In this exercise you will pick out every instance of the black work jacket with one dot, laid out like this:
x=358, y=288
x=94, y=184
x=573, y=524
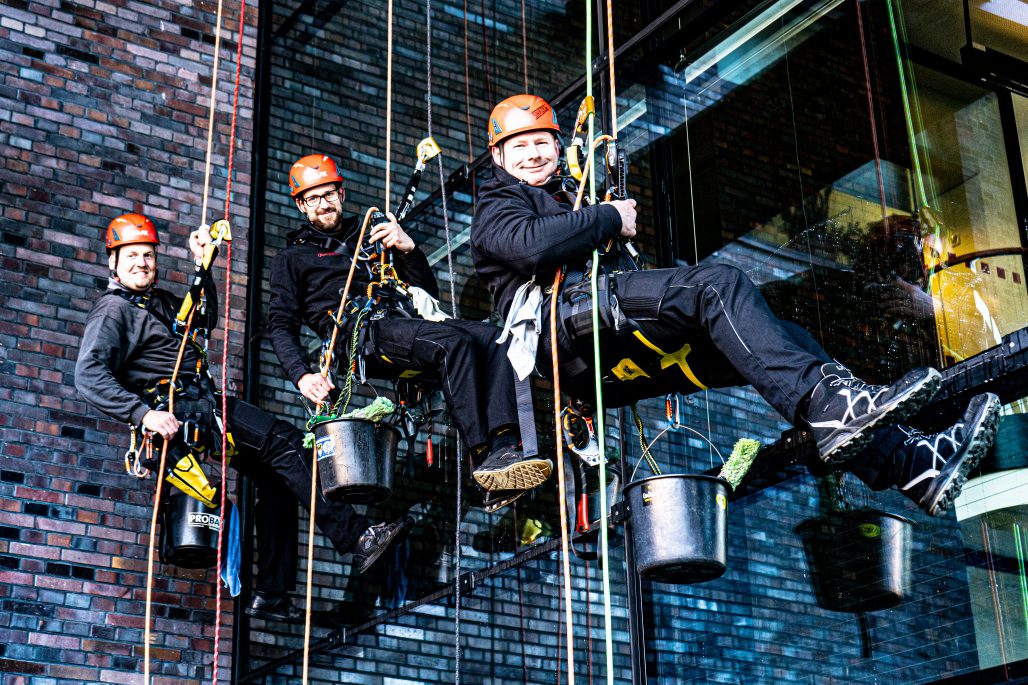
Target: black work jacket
x=307, y=279
x=129, y=345
x=520, y=231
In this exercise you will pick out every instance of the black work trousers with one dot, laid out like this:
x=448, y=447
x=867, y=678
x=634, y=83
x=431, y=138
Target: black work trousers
x=271, y=452
x=703, y=327
x=476, y=378
x=693, y=328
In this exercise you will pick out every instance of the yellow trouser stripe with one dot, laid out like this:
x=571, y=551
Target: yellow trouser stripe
x=675, y=358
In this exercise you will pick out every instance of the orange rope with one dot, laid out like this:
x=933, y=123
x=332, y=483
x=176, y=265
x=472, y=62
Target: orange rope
x=153, y=518
x=562, y=480
x=610, y=61
x=314, y=461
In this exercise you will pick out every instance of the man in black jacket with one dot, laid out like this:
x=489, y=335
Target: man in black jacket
x=306, y=280
x=126, y=359
x=689, y=328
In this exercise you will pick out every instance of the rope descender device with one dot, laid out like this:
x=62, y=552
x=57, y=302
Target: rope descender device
x=220, y=232
x=586, y=109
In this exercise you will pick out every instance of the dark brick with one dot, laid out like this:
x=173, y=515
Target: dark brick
x=55, y=569
x=12, y=476
x=71, y=432
x=37, y=509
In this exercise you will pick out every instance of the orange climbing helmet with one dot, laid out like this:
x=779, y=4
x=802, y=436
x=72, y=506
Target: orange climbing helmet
x=312, y=170
x=131, y=229
x=519, y=114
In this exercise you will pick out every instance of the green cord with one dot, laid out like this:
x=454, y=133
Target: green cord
x=1022, y=575
x=601, y=434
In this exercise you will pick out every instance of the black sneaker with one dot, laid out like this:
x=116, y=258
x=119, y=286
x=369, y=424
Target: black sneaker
x=274, y=608
x=843, y=409
x=495, y=500
x=508, y=469
x=376, y=540
x=931, y=469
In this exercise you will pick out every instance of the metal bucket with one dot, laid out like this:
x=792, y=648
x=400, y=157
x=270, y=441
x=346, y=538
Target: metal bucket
x=859, y=560
x=679, y=523
x=189, y=532
x=356, y=459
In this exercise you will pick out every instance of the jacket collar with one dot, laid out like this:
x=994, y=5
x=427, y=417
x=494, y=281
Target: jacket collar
x=308, y=233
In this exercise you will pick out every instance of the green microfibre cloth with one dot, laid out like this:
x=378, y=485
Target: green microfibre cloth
x=742, y=457
x=376, y=411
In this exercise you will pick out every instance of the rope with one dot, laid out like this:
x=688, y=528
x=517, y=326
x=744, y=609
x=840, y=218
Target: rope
x=485, y=55
x=907, y=119
x=210, y=118
x=153, y=518
x=467, y=87
x=449, y=266
x=439, y=158
x=310, y=567
x=457, y=563
x=389, y=100
x=871, y=114
x=561, y=479
x=610, y=62
x=524, y=45
x=601, y=434
x=224, y=351
x=326, y=364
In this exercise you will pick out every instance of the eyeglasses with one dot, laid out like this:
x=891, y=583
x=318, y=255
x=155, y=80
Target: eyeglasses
x=313, y=201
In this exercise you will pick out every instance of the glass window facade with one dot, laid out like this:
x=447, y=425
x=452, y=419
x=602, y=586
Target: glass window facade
x=859, y=167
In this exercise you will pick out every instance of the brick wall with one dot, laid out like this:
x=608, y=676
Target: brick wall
x=103, y=110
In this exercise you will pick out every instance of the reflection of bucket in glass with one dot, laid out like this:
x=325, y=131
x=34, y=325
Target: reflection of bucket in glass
x=859, y=560
x=356, y=459
x=189, y=532
x=679, y=523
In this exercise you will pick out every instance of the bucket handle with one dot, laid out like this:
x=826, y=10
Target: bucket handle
x=675, y=426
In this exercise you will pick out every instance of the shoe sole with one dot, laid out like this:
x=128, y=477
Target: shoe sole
x=268, y=616
x=940, y=498
x=500, y=504
x=854, y=442
x=523, y=475
x=371, y=559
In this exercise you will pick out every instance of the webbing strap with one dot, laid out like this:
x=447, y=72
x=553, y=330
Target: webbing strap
x=526, y=416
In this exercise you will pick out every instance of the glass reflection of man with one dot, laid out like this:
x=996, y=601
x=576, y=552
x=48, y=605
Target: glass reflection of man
x=690, y=328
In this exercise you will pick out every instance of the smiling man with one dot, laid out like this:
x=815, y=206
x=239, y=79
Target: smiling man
x=690, y=328
x=477, y=382
x=126, y=359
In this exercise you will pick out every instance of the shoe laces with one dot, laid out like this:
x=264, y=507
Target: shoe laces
x=913, y=435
